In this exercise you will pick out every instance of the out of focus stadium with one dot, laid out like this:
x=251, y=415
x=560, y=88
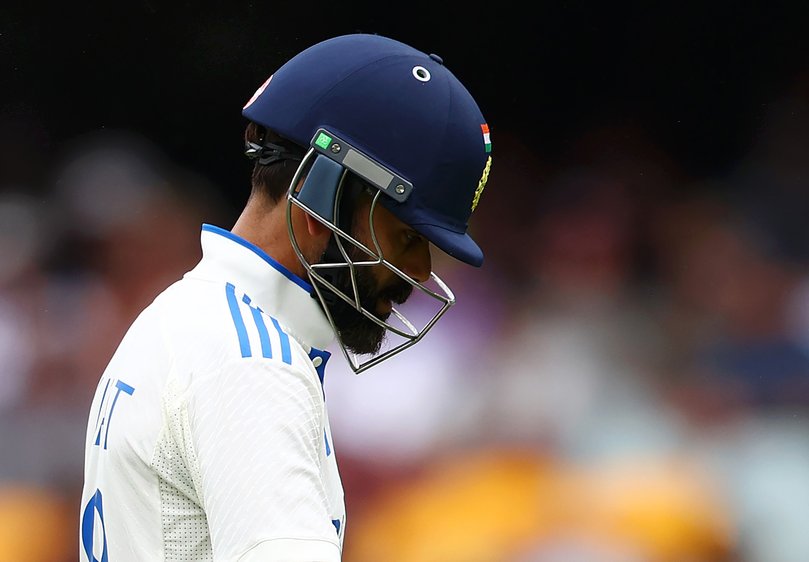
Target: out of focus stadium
x=626, y=379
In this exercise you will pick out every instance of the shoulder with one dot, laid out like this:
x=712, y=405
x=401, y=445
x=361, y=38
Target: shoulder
x=217, y=327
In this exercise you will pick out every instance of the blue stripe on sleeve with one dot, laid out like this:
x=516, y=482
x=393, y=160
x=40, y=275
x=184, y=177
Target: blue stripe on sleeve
x=263, y=334
x=238, y=321
x=286, y=353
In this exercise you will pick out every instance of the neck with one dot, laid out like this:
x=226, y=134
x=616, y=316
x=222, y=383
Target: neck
x=264, y=224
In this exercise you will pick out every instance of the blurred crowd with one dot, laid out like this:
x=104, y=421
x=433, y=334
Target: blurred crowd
x=626, y=379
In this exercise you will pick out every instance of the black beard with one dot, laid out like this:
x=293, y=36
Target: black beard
x=357, y=333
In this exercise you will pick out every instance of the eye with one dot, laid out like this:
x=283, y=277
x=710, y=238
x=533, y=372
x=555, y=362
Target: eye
x=413, y=238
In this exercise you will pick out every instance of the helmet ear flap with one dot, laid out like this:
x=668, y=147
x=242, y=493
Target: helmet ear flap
x=319, y=189
x=321, y=186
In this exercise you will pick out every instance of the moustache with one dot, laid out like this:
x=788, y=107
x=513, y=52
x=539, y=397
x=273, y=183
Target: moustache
x=397, y=292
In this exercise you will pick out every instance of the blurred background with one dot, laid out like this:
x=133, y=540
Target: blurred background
x=626, y=379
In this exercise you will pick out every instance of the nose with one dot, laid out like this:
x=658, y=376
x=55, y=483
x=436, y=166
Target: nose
x=417, y=261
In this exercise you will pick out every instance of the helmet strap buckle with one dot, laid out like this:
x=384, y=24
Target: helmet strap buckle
x=267, y=153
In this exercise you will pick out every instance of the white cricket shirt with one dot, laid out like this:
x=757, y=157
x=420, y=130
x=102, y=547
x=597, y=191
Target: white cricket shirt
x=208, y=437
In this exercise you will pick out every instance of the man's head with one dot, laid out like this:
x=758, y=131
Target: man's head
x=397, y=156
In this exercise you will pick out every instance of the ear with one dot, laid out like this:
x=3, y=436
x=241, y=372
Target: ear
x=316, y=228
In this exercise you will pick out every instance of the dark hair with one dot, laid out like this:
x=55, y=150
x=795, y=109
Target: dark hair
x=272, y=180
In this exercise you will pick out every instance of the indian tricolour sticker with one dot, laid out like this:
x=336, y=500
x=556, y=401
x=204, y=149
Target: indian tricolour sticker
x=258, y=92
x=487, y=140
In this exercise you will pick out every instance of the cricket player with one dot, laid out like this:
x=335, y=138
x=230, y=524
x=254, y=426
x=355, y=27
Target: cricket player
x=208, y=436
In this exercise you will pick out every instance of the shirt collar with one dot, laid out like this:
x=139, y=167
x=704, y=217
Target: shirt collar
x=280, y=293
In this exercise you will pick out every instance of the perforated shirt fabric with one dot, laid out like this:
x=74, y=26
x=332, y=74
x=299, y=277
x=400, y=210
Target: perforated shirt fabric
x=208, y=437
